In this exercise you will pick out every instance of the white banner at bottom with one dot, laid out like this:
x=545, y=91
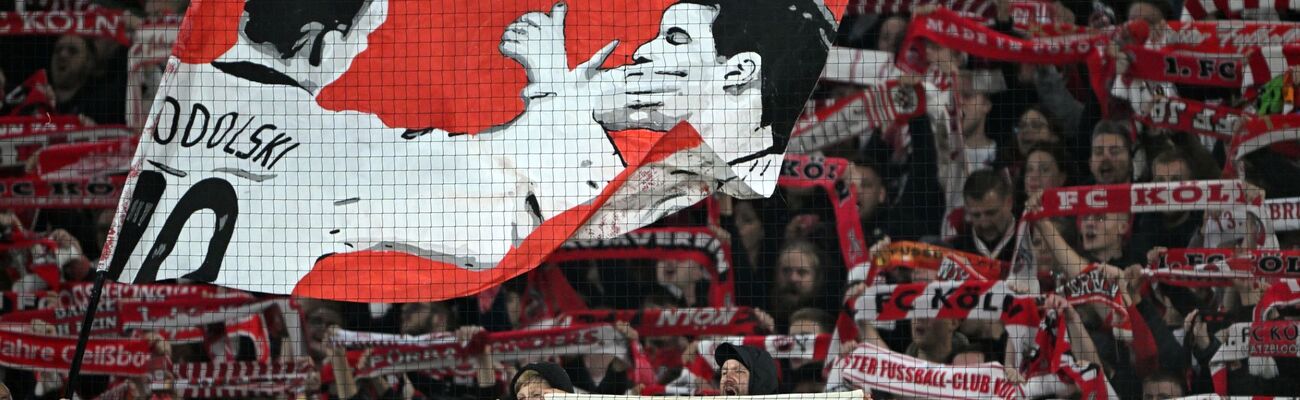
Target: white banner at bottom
x=873, y=367
x=853, y=395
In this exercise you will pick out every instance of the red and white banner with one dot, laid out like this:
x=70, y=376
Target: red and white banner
x=189, y=312
x=100, y=22
x=240, y=379
x=1263, y=44
x=34, y=192
x=1025, y=13
x=86, y=160
x=1144, y=197
x=30, y=134
x=873, y=367
x=827, y=173
x=976, y=300
x=951, y=30
x=118, y=357
x=1275, y=339
x=1183, y=115
x=1219, y=267
x=673, y=321
x=444, y=352
x=66, y=321
x=580, y=138
x=26, y=126
x=1200, y=9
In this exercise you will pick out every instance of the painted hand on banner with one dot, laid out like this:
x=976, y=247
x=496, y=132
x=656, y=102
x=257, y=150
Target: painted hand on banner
x=537, y=42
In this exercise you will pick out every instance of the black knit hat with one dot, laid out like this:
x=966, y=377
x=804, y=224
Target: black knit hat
x=551, y=372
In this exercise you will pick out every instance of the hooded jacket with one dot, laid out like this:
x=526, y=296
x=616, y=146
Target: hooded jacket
x=761, y=366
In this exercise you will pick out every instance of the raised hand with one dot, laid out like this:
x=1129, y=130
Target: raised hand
x=536, y=41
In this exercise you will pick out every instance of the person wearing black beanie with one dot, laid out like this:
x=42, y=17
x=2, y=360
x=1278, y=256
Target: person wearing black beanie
x=537, y=379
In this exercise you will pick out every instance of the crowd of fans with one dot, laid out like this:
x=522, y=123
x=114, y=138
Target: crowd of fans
x=1025, y=128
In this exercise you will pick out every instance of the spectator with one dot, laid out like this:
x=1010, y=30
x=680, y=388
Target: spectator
x=988, y=210
x=1045, y=169
x=936, y=340
x=798, y=280
x=72, y=69
x=1163, y=386
x=871, y=200
x=685, y=279
x=806, y=321
x=745, y=371
x=1167, y=229
x=980, y=151
x=1111, y=160
x=535, y=380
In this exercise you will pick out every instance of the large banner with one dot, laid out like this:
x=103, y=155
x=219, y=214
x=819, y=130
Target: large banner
x=373, y=150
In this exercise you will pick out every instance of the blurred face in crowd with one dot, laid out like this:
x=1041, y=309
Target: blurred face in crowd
x=871, y=191
x=1032, y=131
x=423, y=318
x=735, y=379
x=1173, y=171
x=803, y=327
x=1104, y=232
x=929, y=333
x=72, y=62
x=319, y=320
x=1042, y=172
x=534, y=389
x=975, y=109
x=796, y=272
x=1161, y=390
x=940, y=57
x=891, y=34
x=679, y=273
x=990, y=216
x=749, y=225
x=1147, y=12
x=1110, y=161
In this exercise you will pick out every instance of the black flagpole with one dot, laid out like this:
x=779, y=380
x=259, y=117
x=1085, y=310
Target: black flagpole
x=83, y=336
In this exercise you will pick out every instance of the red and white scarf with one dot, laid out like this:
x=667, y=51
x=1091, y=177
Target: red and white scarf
x=1093, y=287
x=104, y=356
x=872, y=367
x=1284, y=293
x=800, y=171
x=951, y=30
x=443, y=353
x=1219, y=267
x=1144, y=197
x=1192, y=68
x=1200, y=9
x=976, y=300
x=1183, y=115
x=674, y=243
x=100, y=22
x=674, y=321
x=240, y=379
x=950, y=264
